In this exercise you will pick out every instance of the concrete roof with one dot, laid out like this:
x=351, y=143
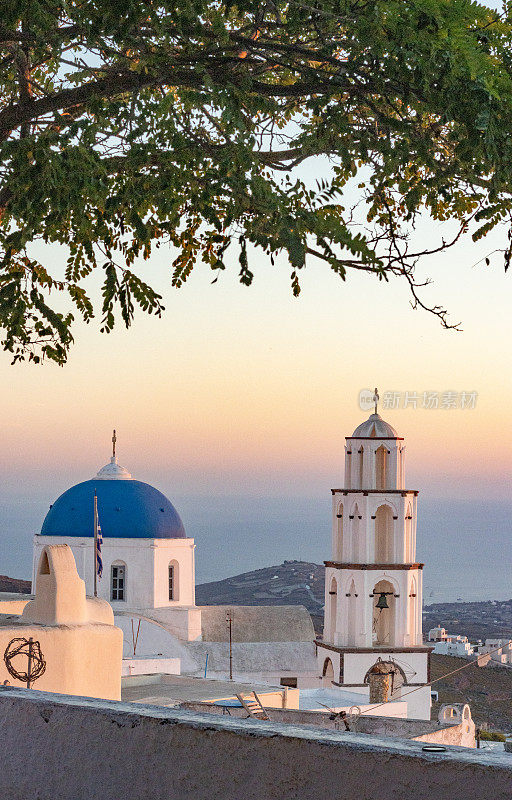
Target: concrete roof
x=324, y=698
x=171, y=690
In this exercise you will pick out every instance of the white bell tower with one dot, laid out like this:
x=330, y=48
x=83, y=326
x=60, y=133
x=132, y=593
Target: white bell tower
x=373, y=584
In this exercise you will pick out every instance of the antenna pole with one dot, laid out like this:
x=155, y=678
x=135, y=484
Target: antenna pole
x=95, y=544
x=229, y=620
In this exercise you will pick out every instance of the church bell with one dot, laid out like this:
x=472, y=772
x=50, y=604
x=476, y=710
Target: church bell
x=382, y=601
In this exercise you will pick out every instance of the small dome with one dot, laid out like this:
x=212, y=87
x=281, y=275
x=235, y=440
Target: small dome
x=113, y=472
x=374, y=428
x=127, y=509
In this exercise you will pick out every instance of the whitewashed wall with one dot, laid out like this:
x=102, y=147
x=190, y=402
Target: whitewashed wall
x=147, y=562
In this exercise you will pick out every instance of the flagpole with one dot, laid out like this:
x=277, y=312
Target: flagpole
x=95, y=544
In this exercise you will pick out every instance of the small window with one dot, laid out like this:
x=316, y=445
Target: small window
x=118, y=582
x=173, y=580
x=172, y=586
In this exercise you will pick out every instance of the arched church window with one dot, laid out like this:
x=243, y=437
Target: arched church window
x=412, y=612
x=173, y=580
x=384, y=535
x=381, y=468
x=351, y=630
x=358, y=539
x=118, y=581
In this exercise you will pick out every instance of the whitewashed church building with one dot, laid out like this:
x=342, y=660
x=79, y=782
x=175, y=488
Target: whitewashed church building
x=149, y=579
x=373, y=583
x=148, y=560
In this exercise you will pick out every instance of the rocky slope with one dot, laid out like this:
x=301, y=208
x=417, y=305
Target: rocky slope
x=488, y=690
x=17, y=585
x=290, y=583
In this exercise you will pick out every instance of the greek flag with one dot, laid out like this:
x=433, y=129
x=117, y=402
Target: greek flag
x=99, y=562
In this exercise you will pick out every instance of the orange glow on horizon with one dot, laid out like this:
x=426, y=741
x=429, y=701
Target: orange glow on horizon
x=248, y=390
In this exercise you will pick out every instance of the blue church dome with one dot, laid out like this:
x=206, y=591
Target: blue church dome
x=127, y=509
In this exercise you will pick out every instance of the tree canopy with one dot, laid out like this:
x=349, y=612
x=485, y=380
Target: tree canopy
x=127, y=125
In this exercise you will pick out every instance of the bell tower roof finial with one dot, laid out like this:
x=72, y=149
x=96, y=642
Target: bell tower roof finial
x=114, y=440
x=375, y=399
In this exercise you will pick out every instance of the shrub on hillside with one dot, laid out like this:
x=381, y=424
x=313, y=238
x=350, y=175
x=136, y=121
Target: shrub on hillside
x=492, y=736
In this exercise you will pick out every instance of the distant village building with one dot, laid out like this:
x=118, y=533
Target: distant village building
x=454, y=646
x=450, y=644
x=500, y=650
x=373, y=583
x=437, y=634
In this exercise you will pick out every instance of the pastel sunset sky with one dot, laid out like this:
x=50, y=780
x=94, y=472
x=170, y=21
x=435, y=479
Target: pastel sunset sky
x=249, y=390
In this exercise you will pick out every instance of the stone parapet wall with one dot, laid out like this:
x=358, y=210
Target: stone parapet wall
x=63, y=748
x=461, y=735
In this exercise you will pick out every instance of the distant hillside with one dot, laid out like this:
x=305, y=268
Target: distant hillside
x=302, y=583
x=290, y=583
x=488, y=690
x=491, y=618
x=17, y=585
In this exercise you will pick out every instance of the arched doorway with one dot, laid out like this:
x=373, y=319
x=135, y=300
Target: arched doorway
x=384, y=619
x=384, y=530
x=327, y=673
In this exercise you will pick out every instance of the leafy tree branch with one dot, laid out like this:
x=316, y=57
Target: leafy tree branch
x=127, y=127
